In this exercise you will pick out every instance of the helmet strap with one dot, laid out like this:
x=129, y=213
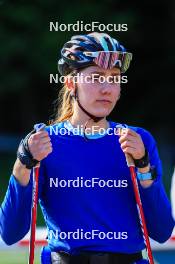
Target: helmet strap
x=94, y=118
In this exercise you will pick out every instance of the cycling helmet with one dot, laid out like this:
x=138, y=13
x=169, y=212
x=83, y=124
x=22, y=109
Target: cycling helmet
x=93, y=49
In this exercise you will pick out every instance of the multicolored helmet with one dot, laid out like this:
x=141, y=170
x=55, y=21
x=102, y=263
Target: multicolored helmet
x=93, y=49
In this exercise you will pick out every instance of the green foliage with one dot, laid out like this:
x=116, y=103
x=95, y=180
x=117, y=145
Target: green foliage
x=29, y=49
x=29, y=53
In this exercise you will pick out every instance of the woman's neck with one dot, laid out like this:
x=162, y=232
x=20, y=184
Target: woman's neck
x=77, y=121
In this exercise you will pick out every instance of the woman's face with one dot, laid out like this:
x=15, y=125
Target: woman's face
x=99, y=91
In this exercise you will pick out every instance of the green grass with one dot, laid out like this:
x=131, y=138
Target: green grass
x=18, y=256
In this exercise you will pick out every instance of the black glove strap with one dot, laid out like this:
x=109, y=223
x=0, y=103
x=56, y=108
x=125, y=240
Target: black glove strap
x=24, y=154
x=143, y=162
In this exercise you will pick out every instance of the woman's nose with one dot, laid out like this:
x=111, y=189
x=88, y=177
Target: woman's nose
x=105, y=88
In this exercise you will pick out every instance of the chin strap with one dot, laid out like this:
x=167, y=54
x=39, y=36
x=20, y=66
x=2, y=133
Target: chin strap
x=94, y=118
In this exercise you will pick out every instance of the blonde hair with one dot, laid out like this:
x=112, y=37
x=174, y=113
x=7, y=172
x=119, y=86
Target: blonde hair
x=64, y=103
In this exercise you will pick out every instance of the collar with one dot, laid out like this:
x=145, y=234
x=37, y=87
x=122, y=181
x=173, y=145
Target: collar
x=79, y=130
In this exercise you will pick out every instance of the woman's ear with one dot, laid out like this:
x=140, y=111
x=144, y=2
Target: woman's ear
x=70, y=86
x=69, y=83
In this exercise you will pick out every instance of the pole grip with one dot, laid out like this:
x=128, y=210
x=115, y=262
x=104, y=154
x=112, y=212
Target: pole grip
x=39, y=127
x=129, y=160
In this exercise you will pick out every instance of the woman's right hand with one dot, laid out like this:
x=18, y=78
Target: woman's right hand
x=40, y=145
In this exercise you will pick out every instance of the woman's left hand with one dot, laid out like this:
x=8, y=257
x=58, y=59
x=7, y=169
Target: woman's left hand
x=131, y=143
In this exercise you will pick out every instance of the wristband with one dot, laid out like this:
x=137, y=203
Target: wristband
x=143, y=162
x=150, y=175
x=23, y=152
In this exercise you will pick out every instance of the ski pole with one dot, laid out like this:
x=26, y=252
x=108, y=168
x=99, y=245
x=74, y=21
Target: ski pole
x=37, y=127
x=131, y=166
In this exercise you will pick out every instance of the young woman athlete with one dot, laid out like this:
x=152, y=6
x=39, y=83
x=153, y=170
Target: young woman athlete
x=85, y=188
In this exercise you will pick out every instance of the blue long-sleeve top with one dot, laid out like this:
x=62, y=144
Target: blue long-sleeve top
x=84, y=209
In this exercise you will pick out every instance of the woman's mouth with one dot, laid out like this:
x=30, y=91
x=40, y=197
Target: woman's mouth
x=103, y=101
